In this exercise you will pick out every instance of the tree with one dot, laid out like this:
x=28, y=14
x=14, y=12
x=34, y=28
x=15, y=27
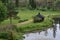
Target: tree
x=3, y=12
x=57, y=5
x=17, y=3
x=11, y=11
x=4, y=1
x=32, y=4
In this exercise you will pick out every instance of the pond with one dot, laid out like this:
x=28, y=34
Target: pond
x=52, y=33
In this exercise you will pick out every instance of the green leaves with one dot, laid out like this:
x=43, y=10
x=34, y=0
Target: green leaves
x=3, y=12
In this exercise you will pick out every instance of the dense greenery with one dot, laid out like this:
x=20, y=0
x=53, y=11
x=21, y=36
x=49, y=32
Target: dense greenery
x=3, y=12
x=36, y=26
x=29, y=14
x=11, y=11
x=8, y=9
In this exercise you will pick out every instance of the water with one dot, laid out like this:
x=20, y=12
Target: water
x=49, y=34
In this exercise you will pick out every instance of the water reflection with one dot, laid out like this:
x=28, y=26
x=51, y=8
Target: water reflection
x=59, y=27
x=49, y=34
x=54, y=30
x=46, y=32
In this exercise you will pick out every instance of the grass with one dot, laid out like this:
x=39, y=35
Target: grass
x=36, y=26
x=6, y=22
x=29, y=14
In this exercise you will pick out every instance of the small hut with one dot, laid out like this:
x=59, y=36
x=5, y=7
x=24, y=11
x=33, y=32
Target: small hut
x=38, y=18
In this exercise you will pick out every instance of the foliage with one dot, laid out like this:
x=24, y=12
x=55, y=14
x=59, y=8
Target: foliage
x=29, y=14
x=17, y=17
x=8, y=36
x=3, y=12
x=18, y=36
x=36, y=26
x=4, y=35
x=12, y=12
x=37, y=19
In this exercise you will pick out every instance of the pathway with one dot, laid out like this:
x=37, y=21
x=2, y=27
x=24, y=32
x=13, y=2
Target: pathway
x=26, y=22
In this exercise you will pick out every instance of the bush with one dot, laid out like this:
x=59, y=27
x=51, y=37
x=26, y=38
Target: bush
x=37, y=19
x=4, y=35
x=43, y=9
x=15, y=28
x=3, y=12
x=16, y=17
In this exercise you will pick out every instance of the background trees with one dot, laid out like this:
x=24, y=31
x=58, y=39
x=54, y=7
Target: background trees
x=17, y=3
x=32, y=3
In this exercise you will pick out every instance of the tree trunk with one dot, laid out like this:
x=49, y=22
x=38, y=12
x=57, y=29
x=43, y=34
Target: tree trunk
x=11, y=36
x=17, y=3
x=10, y=20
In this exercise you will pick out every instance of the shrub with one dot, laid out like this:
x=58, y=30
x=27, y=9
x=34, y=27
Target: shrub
x=3, y=12
x=43, y=9
x=16, y=17
x=12, y=27
x=38, y=19
x=4, y=35
x=23, y=20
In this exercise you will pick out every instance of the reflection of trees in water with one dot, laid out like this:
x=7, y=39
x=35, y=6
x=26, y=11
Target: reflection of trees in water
x=57, y=21
x=27, y=35
x=54, y=30
x=39, y=33
x=46, y=32
x=59, y=24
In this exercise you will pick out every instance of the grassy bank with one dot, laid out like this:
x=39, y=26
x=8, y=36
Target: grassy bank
x=29, y=14
x=30, y=27
x=36, y=26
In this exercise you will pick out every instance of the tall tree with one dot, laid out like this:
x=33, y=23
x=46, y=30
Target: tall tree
x=11, y=11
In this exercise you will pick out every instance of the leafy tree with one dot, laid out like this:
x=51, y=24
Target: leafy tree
x=32, y=4
x=3, y=12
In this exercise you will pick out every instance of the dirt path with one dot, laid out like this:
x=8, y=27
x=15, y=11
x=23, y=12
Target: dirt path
x=26, y=22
